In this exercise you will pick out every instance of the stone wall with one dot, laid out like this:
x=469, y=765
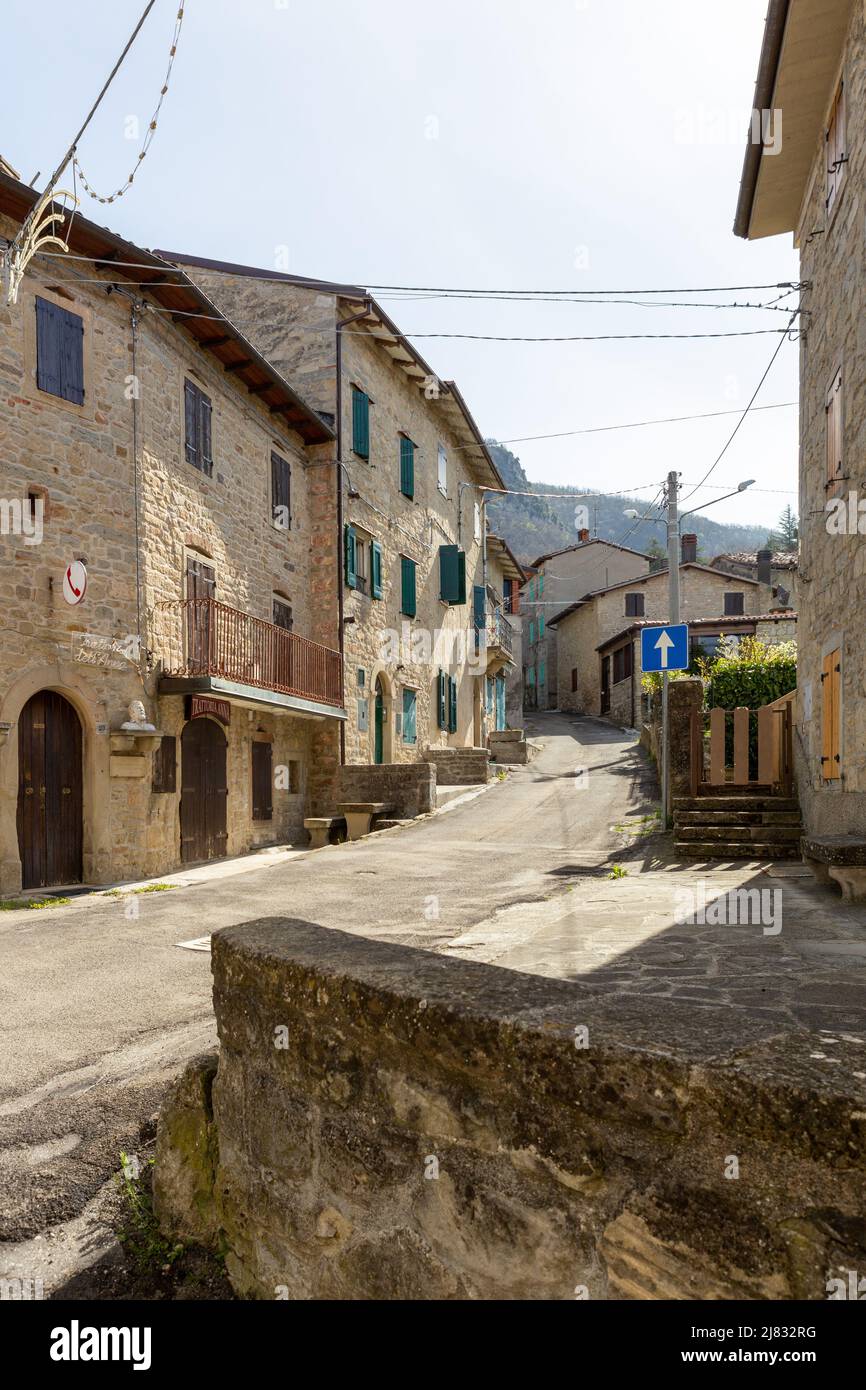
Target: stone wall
x=391, y=1124
x=459, y=767
x=410, y=788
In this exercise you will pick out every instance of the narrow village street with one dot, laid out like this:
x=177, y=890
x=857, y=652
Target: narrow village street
x=101, y=1010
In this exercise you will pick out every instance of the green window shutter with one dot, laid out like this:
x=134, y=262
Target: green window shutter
x=351, y=551
x=360, y=423
x=452, y=574
x=409, y=716
x=531, y=633
x=442, y=700
x=375, y=569
x=541, y=673
x=541, y=625
x=452, y=704
x=407, y=467
x=407, y=586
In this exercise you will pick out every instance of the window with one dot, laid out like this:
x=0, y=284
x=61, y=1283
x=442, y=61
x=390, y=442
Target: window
x=442, y=480
x=282, y=614
x=452, y=704
x=831, y=709
x=360, y=422
x=362, y=563
x=477, y=522
x=622, y=663
x=573, y=679
x=165, y=765
x=407, y=466
x=262, y=765
x=452, y=574
x=59, y=352
x=410, y=705
x=634, y=605
x=734, y=605
x=834, y=434
x=281, y=493
x=197, y=425
x=835, y=141
x=442, y=700
x=408, y=599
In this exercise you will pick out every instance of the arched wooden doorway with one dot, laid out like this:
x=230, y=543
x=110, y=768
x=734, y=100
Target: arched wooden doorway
x=50, y=814
x=204, y=792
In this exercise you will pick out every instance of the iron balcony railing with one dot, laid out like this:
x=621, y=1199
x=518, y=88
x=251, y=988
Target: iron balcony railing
x=500, y=633
x=207, y=638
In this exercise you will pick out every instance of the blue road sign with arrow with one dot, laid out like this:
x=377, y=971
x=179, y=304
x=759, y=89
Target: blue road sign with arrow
x=665, y=648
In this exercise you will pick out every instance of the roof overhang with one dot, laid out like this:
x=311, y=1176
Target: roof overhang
x=183, y=304
x=505, y=558
x=800, y=55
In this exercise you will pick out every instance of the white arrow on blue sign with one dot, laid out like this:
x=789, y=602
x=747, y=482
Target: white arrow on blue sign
x=665, y=648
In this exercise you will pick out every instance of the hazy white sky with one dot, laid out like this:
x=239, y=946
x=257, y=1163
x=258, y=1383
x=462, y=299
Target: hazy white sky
x=582, y=144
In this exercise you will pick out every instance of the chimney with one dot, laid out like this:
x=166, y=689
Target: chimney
x=583, y=535
x=765, y=566
x=689, y=548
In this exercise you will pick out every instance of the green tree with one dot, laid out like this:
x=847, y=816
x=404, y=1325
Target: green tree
x=788, y=531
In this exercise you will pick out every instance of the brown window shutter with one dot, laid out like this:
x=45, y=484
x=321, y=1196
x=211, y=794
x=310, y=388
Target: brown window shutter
x=165, y=765
x=831, y=692
x=262, y=760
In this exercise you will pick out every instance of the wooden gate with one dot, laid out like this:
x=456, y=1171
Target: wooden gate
x=204, y=792
x=50, y=811
x=769, y=764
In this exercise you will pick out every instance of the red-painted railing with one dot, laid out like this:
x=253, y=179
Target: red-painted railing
x=208, y=638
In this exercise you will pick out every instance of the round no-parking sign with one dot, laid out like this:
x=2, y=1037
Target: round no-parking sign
x=74, y=582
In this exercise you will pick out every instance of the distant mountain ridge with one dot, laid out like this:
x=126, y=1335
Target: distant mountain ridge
x=535, y=526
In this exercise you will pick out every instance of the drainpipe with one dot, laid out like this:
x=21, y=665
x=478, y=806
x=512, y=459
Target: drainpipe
x=341, y=324
x=134, y=318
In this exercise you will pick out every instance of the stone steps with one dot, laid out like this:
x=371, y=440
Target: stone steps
x=721, y=818
x=728, y=834
x=737, y=823
x=737, y=849
x=735, y=803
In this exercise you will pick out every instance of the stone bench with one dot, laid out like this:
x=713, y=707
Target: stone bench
x=840, y=859
x=359, y=815
x=320, y=827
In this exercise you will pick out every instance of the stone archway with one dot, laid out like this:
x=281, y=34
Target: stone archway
x=50, y=813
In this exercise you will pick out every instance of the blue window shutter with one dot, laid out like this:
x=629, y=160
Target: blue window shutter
x=531, y=633
x=442, y=700
x=407, y=467
x=350, y=553
x=71, y=357
x=375, y=569
x=541, y=625
x=48, y=347
x=408, y=597
x=360, y=423
x=409, y=716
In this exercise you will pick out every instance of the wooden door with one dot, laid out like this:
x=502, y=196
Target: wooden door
x=605, y=684
x=50, y=804
x=200, y=585
x=204, y=792
x=379, y=732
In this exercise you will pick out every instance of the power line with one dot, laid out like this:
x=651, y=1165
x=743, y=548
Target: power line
x=636, y=424
x=583, y=337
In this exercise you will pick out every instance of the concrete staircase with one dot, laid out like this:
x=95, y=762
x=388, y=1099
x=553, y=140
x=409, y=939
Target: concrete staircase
x=731, y=822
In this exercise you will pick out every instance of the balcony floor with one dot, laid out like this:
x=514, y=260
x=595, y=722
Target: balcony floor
x=249, y=696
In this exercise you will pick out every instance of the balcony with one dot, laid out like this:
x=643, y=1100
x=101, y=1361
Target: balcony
x=202, y=641
x=498, y=639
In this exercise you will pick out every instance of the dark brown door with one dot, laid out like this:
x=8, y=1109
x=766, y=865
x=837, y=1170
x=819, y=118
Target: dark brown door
x=204, y=792
x=200, y=587
x=605, y=684
x=50, y=816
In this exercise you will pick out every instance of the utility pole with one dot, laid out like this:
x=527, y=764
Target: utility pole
x=673, y=617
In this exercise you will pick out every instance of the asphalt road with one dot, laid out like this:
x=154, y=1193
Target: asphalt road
x=101, y=1009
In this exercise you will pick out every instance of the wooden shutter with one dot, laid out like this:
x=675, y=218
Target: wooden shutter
x=281, y=491
x=205, y=455
x=191, y=422
x=479, y=611
x=734, y=605
x=452, y=704
x=165, y=765
x=452, y=574
x=634, y=605
x=263, y=808
x=59, y=352
x=47, y=347
x=375, y=569
x=833, y=411
x=71, y=357
x=360, y=423
x=442, y=700
x=407, y=467
x=409, y=716
x=408, y=604
x=831, y=709
x=351, y=556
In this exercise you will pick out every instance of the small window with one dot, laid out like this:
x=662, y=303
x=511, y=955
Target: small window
x=407, y=466
x=165, y=765
x=834, y=434
x=442, y=479
x=573, y=679
x=59, y=352
x=622, y=664
x=362, y=563
x=410, y=728
x=408, y=598
x=836, y=147
x=734, y=605
x=831, y=710
x=282, y=614
x=197, y=425
x=634, y=605
x=360, y=422
x=281, y=493
x=262, y=767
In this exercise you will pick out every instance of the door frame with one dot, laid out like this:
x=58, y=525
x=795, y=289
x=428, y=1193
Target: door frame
x=44, y=844
x=380, y=674
x=188, y=724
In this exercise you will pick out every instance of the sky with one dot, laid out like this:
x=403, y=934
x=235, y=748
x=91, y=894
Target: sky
x=585, y=145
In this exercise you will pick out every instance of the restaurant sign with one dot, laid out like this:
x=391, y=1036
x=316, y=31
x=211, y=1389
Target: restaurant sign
x=202, y=705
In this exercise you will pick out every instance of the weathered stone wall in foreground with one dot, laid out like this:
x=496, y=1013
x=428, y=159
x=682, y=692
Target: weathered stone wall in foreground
x=427, y=1128
x=408, y=788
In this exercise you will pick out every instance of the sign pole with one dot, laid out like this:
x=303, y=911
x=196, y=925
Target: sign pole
x=674, y=618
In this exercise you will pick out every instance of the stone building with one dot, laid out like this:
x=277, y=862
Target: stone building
x=171, y=684
x=598, y=638
x=411, y=512
x=559, y=579
x=776, y=569
x=505, y=575
x=813, y=71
